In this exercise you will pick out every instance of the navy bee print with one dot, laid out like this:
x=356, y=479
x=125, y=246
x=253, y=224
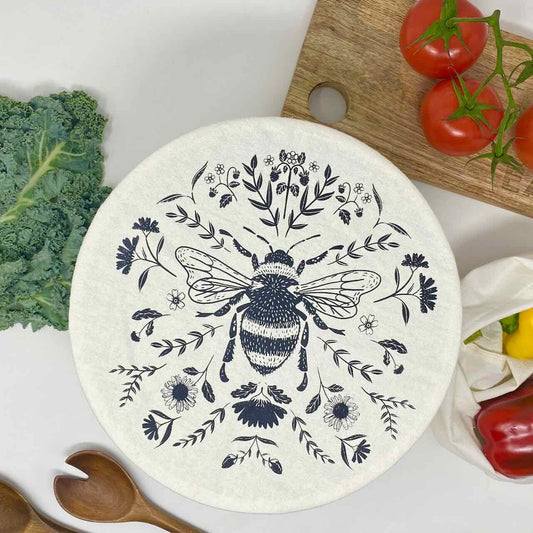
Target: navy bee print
x=273, y=305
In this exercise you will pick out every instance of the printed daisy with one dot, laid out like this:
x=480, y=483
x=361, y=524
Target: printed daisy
x=219, y=169
x=269, y=160
x=179, y=393
x=176, y=300
x=366, y=198
x=210, y=178
x=368, y=323
x=340, y=412
x=313, y=166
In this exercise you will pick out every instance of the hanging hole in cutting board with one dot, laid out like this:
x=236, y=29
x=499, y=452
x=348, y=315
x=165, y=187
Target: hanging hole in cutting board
x=328, y=103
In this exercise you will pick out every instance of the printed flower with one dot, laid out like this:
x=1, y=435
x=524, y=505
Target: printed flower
x=179, y=393
x=366, y=198
x=428, y=294
x=292, y=157
x=304, y=177
x=212, y=192
x=146, y=225
x=358, y=188
x=313, y=166
x=340, y=412
x=210, y=178
x=151, y=427
x=415, y=261
x=269, y=160
x=259, y=411
x=125, y=254
x=176, y=299
x=219, y=169
x=274, y=175
x=368, y=323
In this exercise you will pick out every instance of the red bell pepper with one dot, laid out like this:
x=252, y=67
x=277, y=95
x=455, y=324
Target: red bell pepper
x=505, y=427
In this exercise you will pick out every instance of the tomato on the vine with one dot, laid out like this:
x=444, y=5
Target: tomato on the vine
x=462, y=136
x=431, y=58
x=524, y=138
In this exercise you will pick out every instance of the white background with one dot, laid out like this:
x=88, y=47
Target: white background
x=161, y=68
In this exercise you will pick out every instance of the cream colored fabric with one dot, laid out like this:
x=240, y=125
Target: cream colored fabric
x=368, y=234
x=489, y=293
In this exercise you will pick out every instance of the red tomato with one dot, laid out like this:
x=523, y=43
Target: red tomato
x=461, y=136
x=433, y=60
x=524, y=138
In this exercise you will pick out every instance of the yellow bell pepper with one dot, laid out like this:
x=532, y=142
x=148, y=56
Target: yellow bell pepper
x=520, y=343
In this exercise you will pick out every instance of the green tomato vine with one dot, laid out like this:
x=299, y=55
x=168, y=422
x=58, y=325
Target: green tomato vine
x=448, y=26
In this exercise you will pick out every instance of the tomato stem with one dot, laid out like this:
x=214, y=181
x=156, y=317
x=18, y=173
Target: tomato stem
x=499, y=149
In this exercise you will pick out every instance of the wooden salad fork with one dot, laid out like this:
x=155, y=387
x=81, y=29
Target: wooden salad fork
x=109, y=494
x=18, y=516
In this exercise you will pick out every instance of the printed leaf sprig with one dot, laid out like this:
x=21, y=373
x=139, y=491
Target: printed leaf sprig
x=396, y=227
x=423, y=290
x=345, y=199
x=198, y=435
x=181, y=345
x=291, y=165
x=360, y=450
x=392, y=345
x=310, y=445
x=319, y=195
x=265, y=200
x=151, y=315
x=195, y=221
x=388, y=417
x=272, y=463
x=152, y=428
x=207, y=389
x=352, y=252
x=134, y=385
x=316, y=400
x=277, y=395
x=226, y=182
x=244, y=390
x=366, y=370
x=194, y=181
x=130, y=252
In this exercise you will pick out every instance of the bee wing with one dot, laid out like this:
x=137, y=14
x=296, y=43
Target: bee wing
x=338, y=295
x=209, y=279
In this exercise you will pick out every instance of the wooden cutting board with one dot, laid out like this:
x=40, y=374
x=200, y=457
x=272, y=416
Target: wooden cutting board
x=352, y=45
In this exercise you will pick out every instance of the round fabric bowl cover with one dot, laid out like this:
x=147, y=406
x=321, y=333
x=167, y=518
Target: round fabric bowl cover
x=265, y=315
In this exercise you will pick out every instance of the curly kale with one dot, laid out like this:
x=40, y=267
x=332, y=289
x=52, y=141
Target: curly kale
x=50, y=188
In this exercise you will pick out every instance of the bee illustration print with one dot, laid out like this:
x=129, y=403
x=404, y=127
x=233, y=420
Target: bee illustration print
x=269, y=302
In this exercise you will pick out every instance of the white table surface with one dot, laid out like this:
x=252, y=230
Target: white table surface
x=161, y=68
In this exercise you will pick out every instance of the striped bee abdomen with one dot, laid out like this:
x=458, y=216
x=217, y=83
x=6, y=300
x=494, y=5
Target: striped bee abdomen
x=270, y=329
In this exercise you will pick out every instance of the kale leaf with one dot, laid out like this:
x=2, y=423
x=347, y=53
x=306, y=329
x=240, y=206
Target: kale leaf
x=50, y=188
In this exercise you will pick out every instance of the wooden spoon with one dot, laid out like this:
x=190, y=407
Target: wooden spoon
x=18, y=516
x=109, y=495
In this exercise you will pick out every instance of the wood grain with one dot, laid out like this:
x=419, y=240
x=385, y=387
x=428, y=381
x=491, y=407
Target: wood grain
x=109, y=494
x=18, y=516
x=353, y=45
